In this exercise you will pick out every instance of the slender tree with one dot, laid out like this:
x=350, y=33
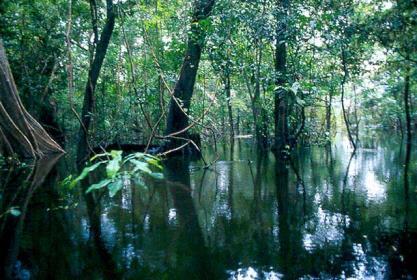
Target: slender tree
x=99, y=53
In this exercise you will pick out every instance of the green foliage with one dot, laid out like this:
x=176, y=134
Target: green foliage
x=119, y=170
x=148, y=45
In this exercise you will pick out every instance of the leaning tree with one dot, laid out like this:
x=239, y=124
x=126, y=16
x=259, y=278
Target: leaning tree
x=20, y=133
x=177, y=121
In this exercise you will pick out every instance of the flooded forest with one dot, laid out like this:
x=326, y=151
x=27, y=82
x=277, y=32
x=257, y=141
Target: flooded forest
x=208, y=139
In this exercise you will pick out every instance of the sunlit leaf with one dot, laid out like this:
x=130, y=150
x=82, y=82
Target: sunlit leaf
x=114, y=165
x=154, y=162
x=99, y=156
x=85, y=172
x=140, y=165
x=99, y=185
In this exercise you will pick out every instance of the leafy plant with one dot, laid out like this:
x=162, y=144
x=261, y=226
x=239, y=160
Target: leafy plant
x=119, y=170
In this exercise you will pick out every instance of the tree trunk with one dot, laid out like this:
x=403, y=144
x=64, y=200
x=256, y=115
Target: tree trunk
x=93, y=74
x=407, y=102
x=346, y=117
x=229, y=105
x=238, y=122
x=177, y=120
x=342, y=97
x=20, y=133
x=281, y=100
x=329, y=113
x=256, y=100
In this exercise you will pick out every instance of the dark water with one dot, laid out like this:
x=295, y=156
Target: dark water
x=323, y=215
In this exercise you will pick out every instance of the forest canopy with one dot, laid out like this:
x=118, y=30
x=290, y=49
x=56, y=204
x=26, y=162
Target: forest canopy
x=169, y=73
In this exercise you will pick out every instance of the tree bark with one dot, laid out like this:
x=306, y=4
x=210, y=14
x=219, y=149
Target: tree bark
x=177, y=120
x=20, y=133
x=93, y=74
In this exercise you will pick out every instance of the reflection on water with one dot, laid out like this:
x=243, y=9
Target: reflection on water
x=325, y=214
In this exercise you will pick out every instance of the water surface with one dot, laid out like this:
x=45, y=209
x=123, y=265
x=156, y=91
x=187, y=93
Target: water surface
x=325, y=214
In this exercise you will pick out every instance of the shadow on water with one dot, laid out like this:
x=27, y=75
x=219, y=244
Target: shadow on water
x=326, y=213
x=18, y=186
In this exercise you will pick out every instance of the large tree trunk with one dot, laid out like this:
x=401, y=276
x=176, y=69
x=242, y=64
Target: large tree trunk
x=177, y=121
x=20, y=133
x=93, y=74
x=281, y=100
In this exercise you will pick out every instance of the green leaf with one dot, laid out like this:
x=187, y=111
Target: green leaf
x=67, y=181
x=85, y=172
x=99, y=185
x=99, y=156
x=140, y=165
x=154, y=162
x=114, y=187
x=116, y=154
x=114, y=165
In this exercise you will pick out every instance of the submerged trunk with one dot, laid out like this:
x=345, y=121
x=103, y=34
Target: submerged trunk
x=281, y=100
x=93, y=74
x=177, y=121
x=20, y=133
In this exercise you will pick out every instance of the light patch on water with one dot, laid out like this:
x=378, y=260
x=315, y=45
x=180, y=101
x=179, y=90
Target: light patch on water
x=129, y=254
x=108, y=229
x=375, y=190
x=223, y=176
x=84, y=229
x=126, y=194
x=327, y=229
x=363, y=264
x=250, y=273
x=172, y=215
x=146, y=224
x=308, y=242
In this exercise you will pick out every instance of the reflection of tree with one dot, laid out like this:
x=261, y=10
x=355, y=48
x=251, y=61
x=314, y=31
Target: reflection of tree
x=108, y=265
x=18, y=188
x=290, y=222
x=284, y=224
x=256, y=215
x=407, y=168
x=193, y=257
